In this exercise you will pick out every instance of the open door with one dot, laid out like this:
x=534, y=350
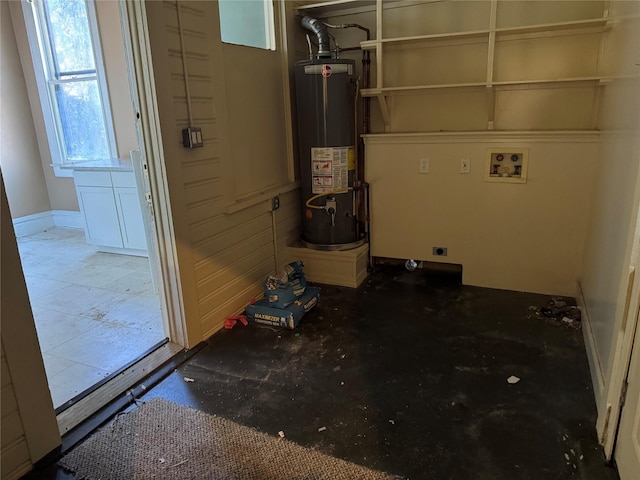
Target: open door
x=29, y=428
x=627, y=453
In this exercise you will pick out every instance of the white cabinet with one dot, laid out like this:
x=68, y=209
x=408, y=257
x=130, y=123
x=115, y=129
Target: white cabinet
x=130, y=215
x=110, y=207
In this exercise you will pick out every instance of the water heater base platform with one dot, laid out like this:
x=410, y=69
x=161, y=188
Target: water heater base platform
x=346, y=268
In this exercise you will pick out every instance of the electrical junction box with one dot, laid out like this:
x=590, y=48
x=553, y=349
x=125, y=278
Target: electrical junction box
x=507, y=165
x=192, y=137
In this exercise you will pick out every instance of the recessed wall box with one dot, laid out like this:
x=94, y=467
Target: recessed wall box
x=507, y=165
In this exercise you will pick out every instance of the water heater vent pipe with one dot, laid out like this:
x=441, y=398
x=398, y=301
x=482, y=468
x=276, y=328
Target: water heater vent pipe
x=320, y=30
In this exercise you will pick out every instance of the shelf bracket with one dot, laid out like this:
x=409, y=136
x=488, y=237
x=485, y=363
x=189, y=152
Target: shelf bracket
x=382, y=100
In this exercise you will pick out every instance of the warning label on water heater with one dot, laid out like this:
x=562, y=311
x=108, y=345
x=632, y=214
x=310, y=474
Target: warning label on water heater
x=330, y=168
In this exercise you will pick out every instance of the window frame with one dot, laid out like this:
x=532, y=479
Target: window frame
x=269, y=28
x=46, y=85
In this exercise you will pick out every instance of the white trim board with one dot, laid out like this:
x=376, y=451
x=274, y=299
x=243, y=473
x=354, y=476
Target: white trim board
x=39, y=222
x=597, y=377
x=67, y=219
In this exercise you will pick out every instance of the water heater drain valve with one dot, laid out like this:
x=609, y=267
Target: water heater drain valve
x=330, y=206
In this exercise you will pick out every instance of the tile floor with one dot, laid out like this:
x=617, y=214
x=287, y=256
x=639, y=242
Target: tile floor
x=94, y=311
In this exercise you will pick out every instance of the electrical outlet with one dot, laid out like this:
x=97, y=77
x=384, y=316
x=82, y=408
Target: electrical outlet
x=424, y=165
x=465, y=165
x=275, y=203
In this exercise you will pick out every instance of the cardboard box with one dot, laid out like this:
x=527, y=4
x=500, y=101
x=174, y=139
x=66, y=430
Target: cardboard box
x=288, y=317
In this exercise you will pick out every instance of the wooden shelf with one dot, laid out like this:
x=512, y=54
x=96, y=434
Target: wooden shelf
x=389, y=91
x=372, y=44
x=556, y=26
x=491, y=35
x=540, y=28
x=345, y=7
x=374, y=92
x=326, y=9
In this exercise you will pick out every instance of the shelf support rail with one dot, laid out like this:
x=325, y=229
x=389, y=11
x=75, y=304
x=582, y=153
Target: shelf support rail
x=491, y=48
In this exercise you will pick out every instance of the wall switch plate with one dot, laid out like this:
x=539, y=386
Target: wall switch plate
x=192, y=137
x=424, y=165
x=465, y=165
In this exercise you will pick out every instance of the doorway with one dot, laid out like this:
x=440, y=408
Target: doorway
x=96, y=309
x=95, y=312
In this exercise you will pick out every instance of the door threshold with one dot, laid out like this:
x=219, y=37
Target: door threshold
x=89, y=402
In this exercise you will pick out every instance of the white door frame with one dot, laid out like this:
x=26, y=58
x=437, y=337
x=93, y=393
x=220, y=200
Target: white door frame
x=139, y=61
x=609, y=421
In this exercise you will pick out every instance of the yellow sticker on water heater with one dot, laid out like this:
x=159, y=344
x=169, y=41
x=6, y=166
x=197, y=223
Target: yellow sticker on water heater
x=352, y=158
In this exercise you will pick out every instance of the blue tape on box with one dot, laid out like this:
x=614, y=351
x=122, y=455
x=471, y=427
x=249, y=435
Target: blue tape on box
x=288, y=317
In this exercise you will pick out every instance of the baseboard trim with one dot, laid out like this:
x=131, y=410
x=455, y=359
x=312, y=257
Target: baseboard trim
x=38, y=222
x=67, y=219
x=595, y=367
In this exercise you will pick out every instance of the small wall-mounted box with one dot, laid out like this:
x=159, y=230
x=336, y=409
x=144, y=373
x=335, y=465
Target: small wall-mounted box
x=507, y=165
x=192, y=137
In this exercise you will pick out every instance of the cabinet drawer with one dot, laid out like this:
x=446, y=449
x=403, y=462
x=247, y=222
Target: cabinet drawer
x=123, y=179
x=92, y=179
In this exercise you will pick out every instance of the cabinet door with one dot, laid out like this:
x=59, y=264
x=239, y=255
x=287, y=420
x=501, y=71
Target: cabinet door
x=100, y=215
x=131, y=222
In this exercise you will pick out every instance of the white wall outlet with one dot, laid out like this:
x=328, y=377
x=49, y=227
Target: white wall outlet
x=465, y=165
x=424, y=165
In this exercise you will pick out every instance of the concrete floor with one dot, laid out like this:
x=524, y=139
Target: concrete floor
x=408, y=374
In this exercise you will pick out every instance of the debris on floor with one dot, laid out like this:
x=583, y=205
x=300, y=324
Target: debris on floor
x=231, y=321
x=559, y=312
x=281, y=433
x=322, y=429
x=189, y=380
x=513, y=379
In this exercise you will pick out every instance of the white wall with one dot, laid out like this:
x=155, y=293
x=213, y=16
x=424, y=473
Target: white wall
x=526, y=237
x=615, y=200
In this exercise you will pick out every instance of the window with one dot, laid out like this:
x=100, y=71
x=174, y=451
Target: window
x=247, y=22
x=63, y=36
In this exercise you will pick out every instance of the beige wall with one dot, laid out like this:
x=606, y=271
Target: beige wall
x=19, y=155
x=254, y=87
x=616, y=196
x=226, y=244
x=527, y=237
x=60, y=191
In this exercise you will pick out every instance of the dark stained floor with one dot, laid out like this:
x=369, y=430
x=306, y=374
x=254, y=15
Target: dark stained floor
x=408, y=374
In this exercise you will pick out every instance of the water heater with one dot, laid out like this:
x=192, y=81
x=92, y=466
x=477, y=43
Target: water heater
x=326, y=95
